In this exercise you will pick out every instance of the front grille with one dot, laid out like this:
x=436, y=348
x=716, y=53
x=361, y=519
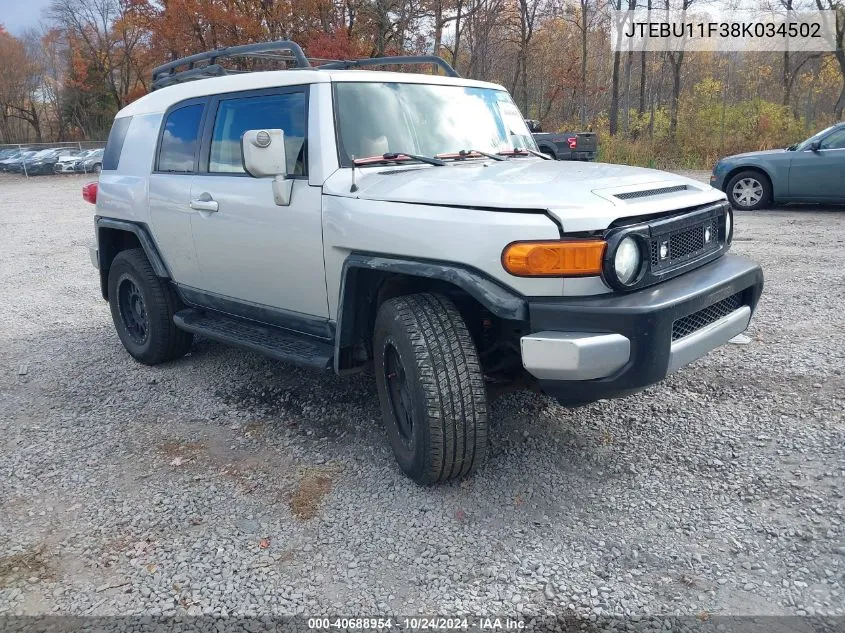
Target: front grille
x=684, y=244
x=697, y=320
x=631, y=195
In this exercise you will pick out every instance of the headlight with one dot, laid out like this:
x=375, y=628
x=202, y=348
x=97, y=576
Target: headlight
x=627, y=260
x=728, y=226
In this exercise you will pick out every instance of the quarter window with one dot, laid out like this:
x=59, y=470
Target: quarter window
x=114, y=145
x=235, y=116
x=180, y=139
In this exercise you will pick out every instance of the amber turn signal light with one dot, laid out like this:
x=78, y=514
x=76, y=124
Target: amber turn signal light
x=559, y=258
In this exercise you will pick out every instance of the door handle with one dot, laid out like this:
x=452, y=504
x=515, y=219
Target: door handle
x=205, y=203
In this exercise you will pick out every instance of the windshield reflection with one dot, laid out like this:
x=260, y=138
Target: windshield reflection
x=377, y=118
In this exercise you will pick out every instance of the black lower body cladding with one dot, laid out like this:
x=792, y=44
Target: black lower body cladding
x=646, y=318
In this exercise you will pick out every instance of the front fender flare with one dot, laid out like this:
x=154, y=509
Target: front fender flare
x=500, y=301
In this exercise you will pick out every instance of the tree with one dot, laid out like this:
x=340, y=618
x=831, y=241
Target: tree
x=676, y=60
x=582, y=16
x=839, y=53
x=19, y=80
x=109, y=35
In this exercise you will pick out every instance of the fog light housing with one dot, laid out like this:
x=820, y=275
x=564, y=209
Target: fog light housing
x=707, y=235
x=664, y=250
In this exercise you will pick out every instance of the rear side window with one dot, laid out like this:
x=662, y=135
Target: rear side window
x=278, y=111
x=114, y=145
x=180, y=140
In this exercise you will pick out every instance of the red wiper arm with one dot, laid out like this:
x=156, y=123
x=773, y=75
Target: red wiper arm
x=522, y=151
x=395, y=157
x=469, y=153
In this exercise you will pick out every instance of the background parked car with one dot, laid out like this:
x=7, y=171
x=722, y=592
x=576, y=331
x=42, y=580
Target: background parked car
x=65, y=163
x=14, y=164
x=92, y=162
x=810, y=171
x=42, y=162
x=8, y=152
x=565, y=145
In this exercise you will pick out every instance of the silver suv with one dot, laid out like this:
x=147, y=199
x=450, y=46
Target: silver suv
x=339, y=219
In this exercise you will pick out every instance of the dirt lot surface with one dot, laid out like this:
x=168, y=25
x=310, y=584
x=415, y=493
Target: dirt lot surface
x=226, y=483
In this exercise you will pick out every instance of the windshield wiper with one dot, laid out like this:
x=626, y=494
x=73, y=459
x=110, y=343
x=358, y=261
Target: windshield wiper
x=397, y=157
x=522, y=151
x=469, y=153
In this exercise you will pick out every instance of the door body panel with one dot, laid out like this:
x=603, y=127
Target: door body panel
x=249, y=249
x=253, y=250
x=818, y=175
x=170, y=218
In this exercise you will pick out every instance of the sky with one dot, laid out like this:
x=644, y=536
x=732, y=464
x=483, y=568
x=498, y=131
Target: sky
x=19, y=15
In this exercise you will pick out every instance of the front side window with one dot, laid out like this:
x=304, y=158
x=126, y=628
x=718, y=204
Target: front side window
x=803, y=145
x=180, y=139
x=286, y=112
x=835, y=140
x=379, y=118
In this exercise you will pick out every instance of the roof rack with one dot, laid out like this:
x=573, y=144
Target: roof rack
x=388, y=61
x=168, y=74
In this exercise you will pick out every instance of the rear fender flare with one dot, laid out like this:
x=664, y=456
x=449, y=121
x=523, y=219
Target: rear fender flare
x=107, y=250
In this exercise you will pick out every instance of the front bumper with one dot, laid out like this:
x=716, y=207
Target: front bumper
x=717, y=179
x=586, y=348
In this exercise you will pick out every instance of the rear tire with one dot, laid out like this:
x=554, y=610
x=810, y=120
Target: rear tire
x=431, y=388
x=749, y=191
x=142, y=308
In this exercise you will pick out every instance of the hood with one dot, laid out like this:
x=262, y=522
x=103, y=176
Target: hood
x=747, y=155
x=580, y=195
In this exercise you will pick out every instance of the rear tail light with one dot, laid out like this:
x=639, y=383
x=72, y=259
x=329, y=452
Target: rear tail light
x=573, y=142
x=89, y=192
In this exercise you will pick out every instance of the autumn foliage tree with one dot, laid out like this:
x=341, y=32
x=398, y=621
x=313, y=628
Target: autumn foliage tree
x=92, y=57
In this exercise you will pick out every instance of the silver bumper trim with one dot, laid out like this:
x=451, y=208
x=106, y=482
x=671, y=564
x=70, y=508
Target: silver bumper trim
x=697, y=344
x=573, y=355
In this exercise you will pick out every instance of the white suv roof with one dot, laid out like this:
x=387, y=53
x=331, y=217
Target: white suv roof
x=160, y=100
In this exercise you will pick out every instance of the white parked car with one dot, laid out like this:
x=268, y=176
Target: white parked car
x=340, y=219
x=65, y=164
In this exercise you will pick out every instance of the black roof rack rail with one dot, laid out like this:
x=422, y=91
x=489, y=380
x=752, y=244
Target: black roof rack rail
x=166, y=74
x=388, y=61
x=169, y=73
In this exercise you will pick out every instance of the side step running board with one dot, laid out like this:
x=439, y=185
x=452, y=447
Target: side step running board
x=270, y=341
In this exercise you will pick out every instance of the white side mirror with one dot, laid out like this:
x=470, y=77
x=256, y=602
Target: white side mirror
x=264, y=155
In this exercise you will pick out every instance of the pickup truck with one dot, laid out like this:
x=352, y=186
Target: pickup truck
x=564, y=145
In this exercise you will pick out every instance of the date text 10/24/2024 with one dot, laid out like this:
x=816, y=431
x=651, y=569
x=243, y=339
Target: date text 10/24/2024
x=417, y=624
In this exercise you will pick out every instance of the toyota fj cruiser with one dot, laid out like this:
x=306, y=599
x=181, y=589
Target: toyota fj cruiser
x=339, y=218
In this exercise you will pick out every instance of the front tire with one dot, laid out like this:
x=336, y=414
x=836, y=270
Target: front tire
x=431, y=388
x=749, y=191
x=142, y=308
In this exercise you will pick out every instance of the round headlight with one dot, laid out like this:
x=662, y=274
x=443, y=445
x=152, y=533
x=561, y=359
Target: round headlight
x=728, y=226
x=626, y=262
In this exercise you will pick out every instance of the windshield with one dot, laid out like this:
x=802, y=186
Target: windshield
x=800, y=147
x=380, y=118
x=43, y=153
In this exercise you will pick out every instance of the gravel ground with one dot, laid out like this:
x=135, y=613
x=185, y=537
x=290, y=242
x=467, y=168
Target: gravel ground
x=225, y=483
